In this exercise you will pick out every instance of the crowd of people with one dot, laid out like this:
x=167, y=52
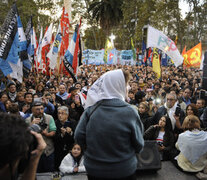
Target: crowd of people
x=172, y=109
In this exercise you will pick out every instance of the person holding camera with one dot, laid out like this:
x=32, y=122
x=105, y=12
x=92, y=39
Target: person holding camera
x=15, y=143
x=170, y=108
x=163, y=134
x=48, y=130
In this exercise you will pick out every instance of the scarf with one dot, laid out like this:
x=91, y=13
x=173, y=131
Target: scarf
x=12, y=96
x=171, y=112
x=76, y=159
x=193, y=144
x=109, y=86
x=64, y=96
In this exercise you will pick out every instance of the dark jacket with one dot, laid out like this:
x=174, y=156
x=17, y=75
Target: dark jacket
x=163, y=111
x=112, y=136
x=168, y=140
x=63, y=143
x=146, y=120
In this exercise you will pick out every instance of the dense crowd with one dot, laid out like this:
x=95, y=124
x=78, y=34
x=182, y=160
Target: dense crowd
x=168, y=107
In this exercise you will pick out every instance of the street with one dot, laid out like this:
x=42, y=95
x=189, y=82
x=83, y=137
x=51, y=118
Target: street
x=167, y=172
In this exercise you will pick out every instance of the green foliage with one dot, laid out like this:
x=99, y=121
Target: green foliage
x=98, y=33
x=108, y=13
x=29, y=8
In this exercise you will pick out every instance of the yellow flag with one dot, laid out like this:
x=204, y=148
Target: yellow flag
x=156, y=63
x=108, y=47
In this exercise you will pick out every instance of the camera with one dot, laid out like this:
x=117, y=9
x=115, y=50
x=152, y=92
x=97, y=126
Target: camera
x=203, y=95
x=177, y=111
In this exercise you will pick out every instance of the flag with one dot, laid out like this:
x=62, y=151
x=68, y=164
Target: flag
x=71, y=56
x=156, y=63
x=39, y=49
x=23, y=49
x=64, y=22
x=144, y=52
x=111, y=57
x=45, y=48
x=156, y=38
x=53, y=53
x=164, y=59
x=193, y=57
x=9, y=41
x=31, y=40
x=184, y=51
x=133, y=50
x=176, y=40
x=108, y=47
x=185, y=56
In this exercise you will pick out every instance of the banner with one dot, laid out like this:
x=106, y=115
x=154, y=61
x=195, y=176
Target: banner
x=127, y=57
x=156, y=38
x=192, y=58
x=93, y=56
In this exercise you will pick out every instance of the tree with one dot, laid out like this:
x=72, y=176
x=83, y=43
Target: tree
x=108, y=13
x=197, y=23
x=89, y=38
x=35, y=8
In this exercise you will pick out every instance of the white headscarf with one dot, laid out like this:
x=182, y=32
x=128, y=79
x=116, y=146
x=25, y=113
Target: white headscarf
x=193, y=144
x=110, y=85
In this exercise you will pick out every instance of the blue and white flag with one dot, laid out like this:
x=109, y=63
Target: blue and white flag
x=23, y=49
x=71, y=53
x=112, y=57
x=9, y=41
x=53, y=53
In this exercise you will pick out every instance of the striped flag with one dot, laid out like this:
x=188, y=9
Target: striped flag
x=71, y=56
x=53, y=53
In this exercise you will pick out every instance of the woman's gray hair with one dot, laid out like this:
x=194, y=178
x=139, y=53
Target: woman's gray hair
x=64, y=108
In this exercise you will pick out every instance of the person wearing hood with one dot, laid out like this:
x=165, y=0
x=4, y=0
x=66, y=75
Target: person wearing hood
x=110, y=129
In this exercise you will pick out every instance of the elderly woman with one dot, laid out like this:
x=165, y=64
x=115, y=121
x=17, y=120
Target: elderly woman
x=64, y=135
x=110, y=129
x=192, y=144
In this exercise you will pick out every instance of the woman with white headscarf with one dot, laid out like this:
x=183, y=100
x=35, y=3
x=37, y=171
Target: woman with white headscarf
x=110, y=129
x=192, y=144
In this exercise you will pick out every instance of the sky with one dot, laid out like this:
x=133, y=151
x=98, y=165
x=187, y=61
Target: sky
x=184, y=8
x=182, y=5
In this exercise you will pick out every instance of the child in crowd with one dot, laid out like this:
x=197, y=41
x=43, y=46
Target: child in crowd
x=73, y=161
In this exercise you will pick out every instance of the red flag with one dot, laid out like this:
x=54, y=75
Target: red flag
x=65, y=24
x=75, y=57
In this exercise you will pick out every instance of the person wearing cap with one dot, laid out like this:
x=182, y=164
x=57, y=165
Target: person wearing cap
x=12, y=91
x=47, y=124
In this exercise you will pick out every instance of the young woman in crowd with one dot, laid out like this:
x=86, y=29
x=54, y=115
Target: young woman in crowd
x=144, y=115
x=163, y=134
x=73, y=161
